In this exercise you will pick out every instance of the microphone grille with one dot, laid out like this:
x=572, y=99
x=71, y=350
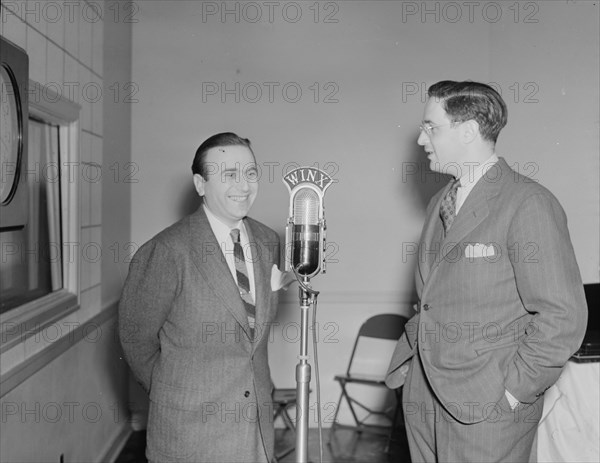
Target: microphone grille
x=306, y=207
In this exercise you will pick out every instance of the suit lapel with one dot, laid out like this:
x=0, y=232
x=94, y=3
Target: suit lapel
x=210, y=262
x=429, y=239
x=474, y=211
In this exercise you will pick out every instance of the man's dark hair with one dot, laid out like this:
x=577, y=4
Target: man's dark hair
x=220, y=139
x=464, y=101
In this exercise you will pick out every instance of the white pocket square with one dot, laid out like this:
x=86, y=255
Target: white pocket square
x=280, y=279
x=474, y=251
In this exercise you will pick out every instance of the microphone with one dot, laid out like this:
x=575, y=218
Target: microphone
x=306, y=233
x=305, y=230
x=304, y=254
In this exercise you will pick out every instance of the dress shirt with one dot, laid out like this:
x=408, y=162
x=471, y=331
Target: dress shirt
x=222, y=233
x=471, y=177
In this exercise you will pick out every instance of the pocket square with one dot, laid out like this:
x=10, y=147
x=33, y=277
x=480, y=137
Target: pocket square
x=279, y=279
x=477, y=250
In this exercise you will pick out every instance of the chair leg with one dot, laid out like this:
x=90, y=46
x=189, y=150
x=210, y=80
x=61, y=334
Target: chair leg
x=343, y=396
x=335, y=415
x=350, y=401
x=287, y=419
x=282, y=411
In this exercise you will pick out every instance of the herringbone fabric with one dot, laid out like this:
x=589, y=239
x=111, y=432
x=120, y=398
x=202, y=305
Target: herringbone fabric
x=448, y=206
x=193, y=343
x=241, y=273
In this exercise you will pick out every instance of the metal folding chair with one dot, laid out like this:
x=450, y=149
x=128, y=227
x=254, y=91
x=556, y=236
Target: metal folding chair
x=385, y=327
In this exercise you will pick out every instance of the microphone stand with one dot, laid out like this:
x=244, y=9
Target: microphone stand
x=303, y=373
x=302, y=381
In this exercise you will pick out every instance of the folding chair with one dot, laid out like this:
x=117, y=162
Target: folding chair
x=382, y=327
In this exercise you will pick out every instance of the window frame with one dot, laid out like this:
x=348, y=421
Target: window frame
x=22, y=322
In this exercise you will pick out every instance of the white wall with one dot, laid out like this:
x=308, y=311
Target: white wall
x=378, y=59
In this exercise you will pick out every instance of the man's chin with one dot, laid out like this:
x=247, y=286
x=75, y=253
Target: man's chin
x=240, y=212
x=434, y=165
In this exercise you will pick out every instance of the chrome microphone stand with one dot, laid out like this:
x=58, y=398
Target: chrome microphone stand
x=303, y=376
x=307, y=296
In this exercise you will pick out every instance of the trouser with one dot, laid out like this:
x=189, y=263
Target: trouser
x=434, y=435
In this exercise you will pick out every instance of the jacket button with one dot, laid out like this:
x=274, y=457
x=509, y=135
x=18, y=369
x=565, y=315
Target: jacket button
x=426, y=307
x=247, y=394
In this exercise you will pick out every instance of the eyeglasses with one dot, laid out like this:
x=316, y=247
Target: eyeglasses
x=428, y=128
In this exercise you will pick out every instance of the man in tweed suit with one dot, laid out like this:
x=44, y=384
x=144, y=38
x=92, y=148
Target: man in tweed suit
x=193, y=342
x=501, y=304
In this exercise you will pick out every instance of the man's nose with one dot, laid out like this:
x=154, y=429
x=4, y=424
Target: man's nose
x=422, y=138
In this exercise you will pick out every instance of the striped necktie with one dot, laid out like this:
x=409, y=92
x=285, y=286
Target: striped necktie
x=241, y=273
x=448, y=206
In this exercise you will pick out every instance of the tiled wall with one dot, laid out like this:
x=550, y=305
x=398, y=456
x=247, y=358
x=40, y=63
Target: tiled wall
x=64, y=41
x=66, y=47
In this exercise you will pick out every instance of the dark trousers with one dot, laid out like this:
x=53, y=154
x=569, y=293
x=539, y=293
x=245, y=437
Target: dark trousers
x=434, y=435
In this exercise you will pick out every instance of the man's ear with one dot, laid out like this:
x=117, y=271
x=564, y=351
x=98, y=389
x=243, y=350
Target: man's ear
x=470, y=130
x=199, y=184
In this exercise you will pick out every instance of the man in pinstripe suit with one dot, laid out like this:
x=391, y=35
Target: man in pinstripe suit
x=195, y=331
x=501, y=305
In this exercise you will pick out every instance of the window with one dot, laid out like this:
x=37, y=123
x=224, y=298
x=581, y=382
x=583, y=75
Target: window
x=39, y=269
x=31, y=263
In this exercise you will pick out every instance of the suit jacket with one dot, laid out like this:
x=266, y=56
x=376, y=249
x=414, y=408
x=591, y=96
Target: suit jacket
x=185, y=334
x=501, y=302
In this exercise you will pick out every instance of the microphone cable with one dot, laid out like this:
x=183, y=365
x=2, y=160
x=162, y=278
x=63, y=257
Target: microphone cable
x=313, y=297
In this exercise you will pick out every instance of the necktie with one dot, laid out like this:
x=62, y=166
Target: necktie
x=241, y=273
x=448, y=206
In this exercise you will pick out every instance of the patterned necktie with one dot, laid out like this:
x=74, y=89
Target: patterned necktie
x=241, y=273
x=448, y=206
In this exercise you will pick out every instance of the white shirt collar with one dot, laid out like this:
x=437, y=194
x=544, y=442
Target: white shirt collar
x=221, y=230
x=475, y=171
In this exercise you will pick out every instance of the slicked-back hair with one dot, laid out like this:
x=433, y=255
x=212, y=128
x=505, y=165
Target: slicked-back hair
x=220, y=139
x=464, y=101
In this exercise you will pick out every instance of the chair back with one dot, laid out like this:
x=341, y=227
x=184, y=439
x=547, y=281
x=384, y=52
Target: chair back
x=383, y=326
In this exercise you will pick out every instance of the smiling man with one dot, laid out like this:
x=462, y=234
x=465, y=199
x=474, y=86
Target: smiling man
x=195, y=317
x=501, y=306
